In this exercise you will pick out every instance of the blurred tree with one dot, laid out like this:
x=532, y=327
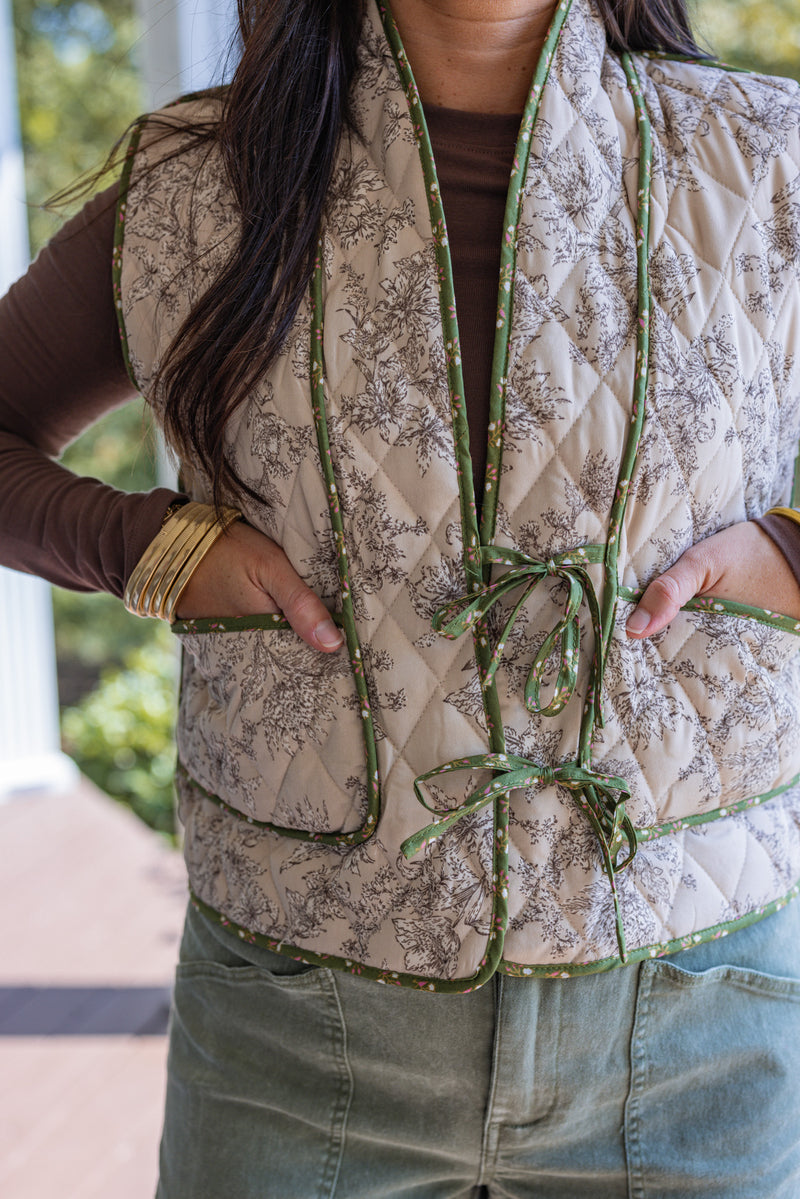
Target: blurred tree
x=78, y=90
x=121, y=734
x=763, y=35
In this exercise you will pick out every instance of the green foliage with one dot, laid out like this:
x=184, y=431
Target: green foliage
x=763, y=35
x=121, y=735
x=78, y=91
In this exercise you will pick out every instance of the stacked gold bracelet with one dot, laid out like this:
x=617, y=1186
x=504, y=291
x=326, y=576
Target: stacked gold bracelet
x=789, y=513
x=161, y=574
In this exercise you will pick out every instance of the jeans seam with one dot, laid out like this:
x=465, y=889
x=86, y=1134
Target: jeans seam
x=333, y=1168
x=632, y=1118
x=485, y=1168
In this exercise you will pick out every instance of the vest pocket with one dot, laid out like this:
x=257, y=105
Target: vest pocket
x=710, y=709
x=274, y=729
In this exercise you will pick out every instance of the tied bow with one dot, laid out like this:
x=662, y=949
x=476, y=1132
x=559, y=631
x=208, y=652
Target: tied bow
x=461, y=614
x=601, y=798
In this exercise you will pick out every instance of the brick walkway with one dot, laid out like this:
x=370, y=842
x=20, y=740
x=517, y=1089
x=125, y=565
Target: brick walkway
x=92, y=905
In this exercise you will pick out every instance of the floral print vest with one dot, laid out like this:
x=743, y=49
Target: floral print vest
x=489, y=774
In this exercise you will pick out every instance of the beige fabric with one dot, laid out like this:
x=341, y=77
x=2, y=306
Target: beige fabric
x=702, y=716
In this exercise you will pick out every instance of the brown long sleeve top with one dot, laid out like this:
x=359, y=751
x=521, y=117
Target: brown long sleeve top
x=61, y=367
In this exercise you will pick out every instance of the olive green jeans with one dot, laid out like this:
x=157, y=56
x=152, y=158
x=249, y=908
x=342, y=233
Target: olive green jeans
x=677, y=1077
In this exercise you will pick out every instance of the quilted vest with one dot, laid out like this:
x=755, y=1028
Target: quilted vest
x=489, y=774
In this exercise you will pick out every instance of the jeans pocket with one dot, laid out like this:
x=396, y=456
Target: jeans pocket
x=258, y=1085
x=713, y=1106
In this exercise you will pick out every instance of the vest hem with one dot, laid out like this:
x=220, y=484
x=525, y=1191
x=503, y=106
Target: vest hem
x=488, y=967
x=397, y=978
x=235, y=624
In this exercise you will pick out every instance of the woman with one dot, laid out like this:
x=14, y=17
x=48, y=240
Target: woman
x=585, y=668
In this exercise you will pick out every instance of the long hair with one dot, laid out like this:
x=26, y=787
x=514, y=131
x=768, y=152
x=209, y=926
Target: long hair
x=281, y=122
x=649, y=25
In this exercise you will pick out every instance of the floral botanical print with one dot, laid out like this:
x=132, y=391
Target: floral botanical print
x=585, y=797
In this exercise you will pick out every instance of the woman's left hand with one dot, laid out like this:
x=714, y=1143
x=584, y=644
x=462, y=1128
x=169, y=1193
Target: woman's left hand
x=741, y=563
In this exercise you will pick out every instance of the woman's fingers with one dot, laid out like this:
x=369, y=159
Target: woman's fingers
x=669, y=592
x=741, y=563
x=247, y=574
x=301, y=606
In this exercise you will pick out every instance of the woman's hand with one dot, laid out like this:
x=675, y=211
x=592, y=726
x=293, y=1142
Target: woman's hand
x=246, y=574
x=741, y=563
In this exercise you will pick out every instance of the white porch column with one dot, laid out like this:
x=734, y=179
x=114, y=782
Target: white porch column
x=30, y=756
x=184, y=45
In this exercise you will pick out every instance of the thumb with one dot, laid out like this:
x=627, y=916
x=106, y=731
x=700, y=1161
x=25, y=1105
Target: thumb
x=668, y=593
x=301, y=606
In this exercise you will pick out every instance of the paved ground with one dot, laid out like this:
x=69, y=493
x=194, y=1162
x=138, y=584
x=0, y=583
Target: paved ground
x=90, y=913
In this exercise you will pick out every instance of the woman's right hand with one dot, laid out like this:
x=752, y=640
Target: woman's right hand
x=246, y=574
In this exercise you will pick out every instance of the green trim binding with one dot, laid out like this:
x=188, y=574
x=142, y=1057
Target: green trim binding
x=654, y=831
x=476, y=574
x=447, y=305
x=346, y=619
x=266, y=622
x=508, y=264
x=119, y=241
x=794, y=498
x=394, y=978
x=400, y=978
x=466, y=485
x=700, y=60
x=710, y=603
x=593, y=716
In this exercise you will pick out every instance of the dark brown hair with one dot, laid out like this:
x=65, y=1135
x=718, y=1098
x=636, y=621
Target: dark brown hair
x=281, y=122
x=649, y=25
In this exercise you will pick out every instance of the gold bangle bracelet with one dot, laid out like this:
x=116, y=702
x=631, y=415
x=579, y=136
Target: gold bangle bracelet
x=159, y=547
x=181, y=544
x=157, y=596
x=165, y=560
x=153, y=596
x=227, y=517
x=790, y=514
x=173, y=509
